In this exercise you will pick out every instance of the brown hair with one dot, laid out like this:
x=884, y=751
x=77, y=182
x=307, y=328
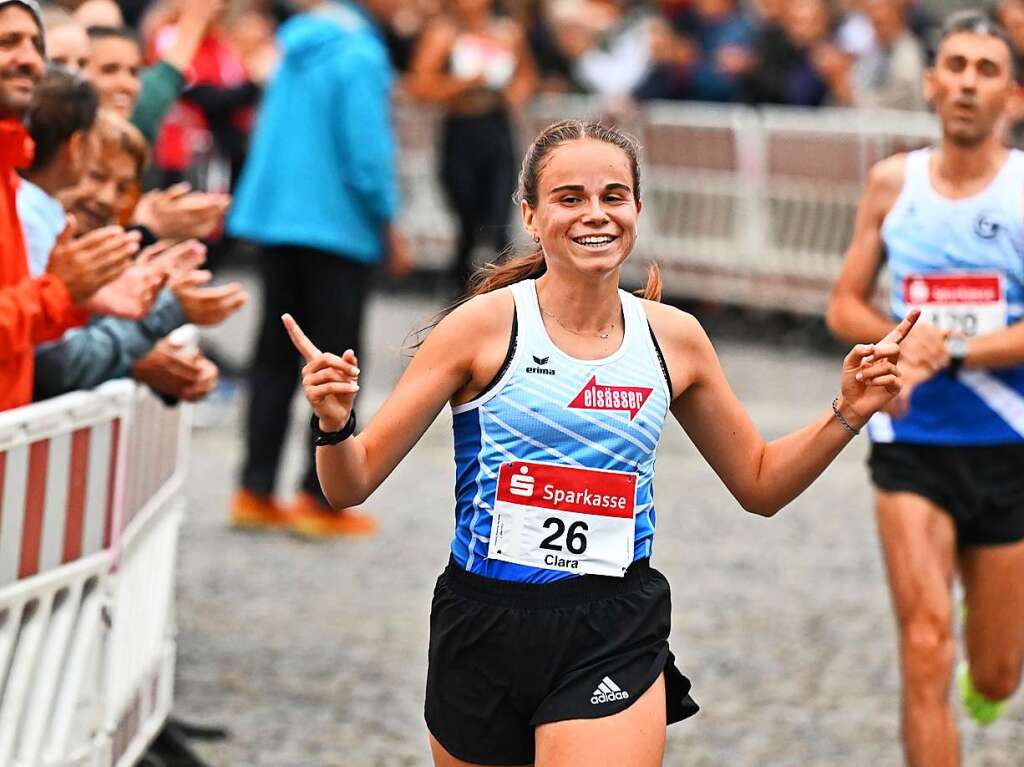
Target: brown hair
x=511, y=269
x=64, y=104
x=115, y=132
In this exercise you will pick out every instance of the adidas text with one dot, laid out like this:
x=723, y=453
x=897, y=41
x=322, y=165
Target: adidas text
x=605, y=697
x=607, y=692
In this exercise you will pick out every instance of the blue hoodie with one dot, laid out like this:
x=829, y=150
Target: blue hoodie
x=321, y=168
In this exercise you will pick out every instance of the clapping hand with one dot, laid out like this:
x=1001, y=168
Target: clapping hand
x=176, y=372
x=209, y=305
x=871, y=376
x=179, y=213
x=91, y=261
x=132, y=294
x=329, y=382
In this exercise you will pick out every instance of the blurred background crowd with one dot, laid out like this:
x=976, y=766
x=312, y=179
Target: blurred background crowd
x=175, y=137
x=170, y=136
x=178, y=84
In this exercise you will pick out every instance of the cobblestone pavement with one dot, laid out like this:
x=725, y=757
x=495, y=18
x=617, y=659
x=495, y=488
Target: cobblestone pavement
x=314, y=653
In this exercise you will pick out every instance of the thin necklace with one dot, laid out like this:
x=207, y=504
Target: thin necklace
x=576, y=332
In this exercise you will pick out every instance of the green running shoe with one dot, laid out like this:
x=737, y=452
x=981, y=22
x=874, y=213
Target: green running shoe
x=982, y=710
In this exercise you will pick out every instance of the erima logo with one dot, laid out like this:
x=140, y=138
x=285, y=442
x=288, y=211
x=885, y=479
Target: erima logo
x=608, y=692
x=541, y=362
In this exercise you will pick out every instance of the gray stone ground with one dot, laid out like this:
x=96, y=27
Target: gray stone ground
x=314, y=653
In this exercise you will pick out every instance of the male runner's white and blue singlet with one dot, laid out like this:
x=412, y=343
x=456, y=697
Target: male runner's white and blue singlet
x=962, y=262
x=568, y=444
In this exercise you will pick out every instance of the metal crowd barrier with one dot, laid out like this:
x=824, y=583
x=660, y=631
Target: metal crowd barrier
x=742, y=205
x=90, y=509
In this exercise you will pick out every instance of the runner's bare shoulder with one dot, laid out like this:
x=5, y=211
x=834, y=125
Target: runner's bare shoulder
x=680, y=337
x=483, y=321
x=885, y=181
x=479, y=332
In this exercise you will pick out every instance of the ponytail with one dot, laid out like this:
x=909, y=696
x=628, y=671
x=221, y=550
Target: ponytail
x=652, y=289
x=501, y=273
x=488, y=278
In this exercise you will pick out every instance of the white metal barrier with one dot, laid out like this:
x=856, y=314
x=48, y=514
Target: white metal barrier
x=90, y=508
x=742, y=205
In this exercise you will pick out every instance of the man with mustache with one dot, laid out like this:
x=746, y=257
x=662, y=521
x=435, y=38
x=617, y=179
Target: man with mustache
x=34, y=310
x=948, y=462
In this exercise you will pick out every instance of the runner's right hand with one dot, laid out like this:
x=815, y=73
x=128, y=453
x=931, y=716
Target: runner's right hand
x=89, y=262
x=329, y=382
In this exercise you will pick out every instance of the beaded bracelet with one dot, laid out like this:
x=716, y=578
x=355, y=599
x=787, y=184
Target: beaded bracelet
x=843, y=421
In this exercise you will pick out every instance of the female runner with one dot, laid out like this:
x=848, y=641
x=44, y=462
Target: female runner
x=549, y=628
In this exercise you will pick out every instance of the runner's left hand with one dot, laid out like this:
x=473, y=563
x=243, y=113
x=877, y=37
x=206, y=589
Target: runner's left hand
x=871, y=376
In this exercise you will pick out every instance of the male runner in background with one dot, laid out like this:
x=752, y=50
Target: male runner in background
x=948, y=466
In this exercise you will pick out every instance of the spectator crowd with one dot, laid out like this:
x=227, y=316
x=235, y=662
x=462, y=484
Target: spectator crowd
x=97, y=267
x=125, y=127
x=798, y=52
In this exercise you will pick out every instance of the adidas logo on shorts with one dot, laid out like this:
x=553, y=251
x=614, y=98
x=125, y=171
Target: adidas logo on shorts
x=607, y=692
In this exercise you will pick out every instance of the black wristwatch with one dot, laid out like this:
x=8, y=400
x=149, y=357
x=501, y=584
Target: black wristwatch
x=956, y=348
x=324, y=438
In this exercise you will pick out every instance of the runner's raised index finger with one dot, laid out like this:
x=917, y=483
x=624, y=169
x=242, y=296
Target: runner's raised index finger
x=898, y=333
x=299, y=339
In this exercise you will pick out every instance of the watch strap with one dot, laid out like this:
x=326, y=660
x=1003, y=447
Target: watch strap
x=323, y=438
x=953, y=369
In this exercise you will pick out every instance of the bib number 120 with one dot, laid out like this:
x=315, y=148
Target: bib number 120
x=575, y=540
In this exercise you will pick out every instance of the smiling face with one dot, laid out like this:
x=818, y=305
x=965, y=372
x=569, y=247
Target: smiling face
x=114, y=66
x=21, y=59
x=970, y=85
x=586, y=210
x=109, y=176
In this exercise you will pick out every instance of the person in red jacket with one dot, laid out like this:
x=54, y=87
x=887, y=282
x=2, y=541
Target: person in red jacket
x=36, y=310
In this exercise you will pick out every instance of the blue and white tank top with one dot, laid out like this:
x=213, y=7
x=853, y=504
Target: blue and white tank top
x=548, y=413
x=962, y=262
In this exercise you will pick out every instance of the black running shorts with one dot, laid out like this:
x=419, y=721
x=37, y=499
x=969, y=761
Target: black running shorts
x=981, y=488
x=505, y=657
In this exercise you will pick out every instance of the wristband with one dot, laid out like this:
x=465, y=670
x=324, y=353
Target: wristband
x=843, y=421
x=324, y=438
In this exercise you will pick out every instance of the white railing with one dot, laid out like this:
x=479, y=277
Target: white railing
x=90, y=509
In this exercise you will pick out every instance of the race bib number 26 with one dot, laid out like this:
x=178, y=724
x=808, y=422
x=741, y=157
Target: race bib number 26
x=564, y=518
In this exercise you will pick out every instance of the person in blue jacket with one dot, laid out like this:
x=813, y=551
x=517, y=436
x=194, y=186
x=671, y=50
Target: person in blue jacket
x=318, y=196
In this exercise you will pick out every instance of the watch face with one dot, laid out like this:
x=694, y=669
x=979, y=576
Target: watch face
x=956, y=347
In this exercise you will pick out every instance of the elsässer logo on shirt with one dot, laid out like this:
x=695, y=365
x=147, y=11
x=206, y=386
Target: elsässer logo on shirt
x=595, y=396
